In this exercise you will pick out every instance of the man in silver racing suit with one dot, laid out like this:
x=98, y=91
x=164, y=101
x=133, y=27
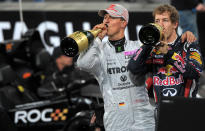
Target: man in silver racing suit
x=127, y=106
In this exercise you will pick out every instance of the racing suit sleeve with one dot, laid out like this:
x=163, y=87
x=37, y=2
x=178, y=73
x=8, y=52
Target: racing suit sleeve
x=138, y=65
x=191, y=65
x=88, y=60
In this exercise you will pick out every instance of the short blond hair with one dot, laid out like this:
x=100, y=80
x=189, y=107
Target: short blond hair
x=174, y=15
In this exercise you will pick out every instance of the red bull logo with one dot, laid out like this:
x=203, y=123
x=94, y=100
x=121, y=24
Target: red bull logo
x=162, y=70
x=179, y=62
x=178, y=58
x=168, y=81
x=168, y=70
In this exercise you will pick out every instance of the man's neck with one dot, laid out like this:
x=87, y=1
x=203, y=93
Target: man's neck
x=172, y=38
x=117, y=36
x=115, y=39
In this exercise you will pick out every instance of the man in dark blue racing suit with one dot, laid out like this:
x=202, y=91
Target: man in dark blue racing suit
x=175, y=66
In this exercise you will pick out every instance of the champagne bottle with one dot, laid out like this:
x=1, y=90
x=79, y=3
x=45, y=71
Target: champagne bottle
x=78, y=42
x=150, y=34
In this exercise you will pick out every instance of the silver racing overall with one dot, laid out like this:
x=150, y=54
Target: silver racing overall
x=124, y=103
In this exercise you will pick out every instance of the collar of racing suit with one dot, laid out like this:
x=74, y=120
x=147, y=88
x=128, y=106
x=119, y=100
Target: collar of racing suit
x=118, y=44
x=171, y=43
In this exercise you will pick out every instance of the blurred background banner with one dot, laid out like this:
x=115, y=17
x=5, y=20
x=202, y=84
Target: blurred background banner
x=56, y=23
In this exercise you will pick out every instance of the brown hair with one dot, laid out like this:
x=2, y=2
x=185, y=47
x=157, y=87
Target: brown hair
x=174, y=15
